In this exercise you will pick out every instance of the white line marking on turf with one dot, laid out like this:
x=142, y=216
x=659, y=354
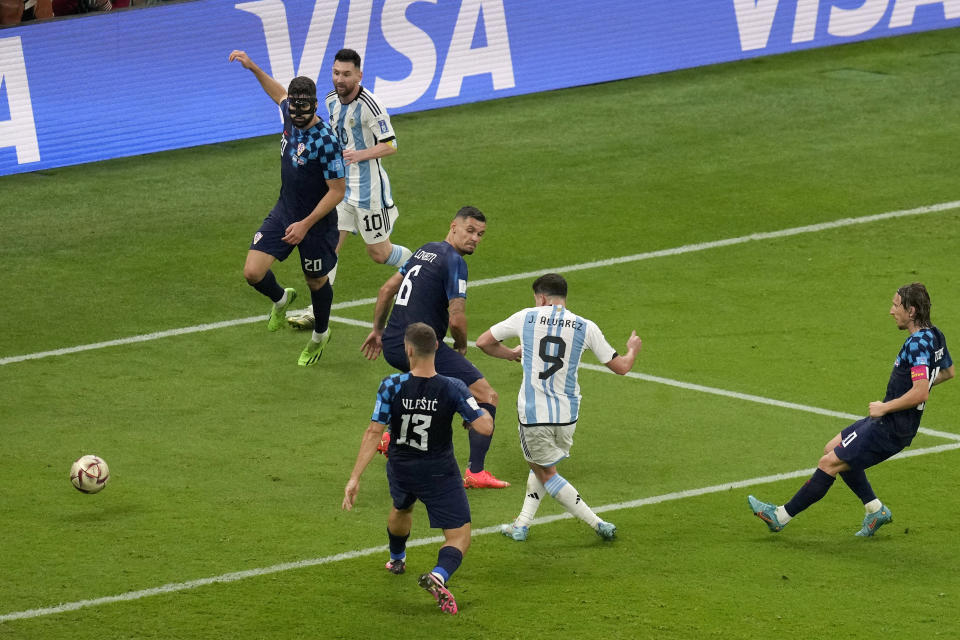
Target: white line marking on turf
x=251, y=573
x=702, y=246
x=757, y=399
x=689, y=248
x=235, y=576
x=169, y=333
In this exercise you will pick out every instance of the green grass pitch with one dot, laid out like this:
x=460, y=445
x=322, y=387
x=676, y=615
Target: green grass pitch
x=226, y=457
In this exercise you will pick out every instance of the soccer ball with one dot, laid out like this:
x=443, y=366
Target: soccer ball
x=89, y=474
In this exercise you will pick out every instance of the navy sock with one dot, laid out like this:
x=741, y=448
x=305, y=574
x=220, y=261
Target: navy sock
x=398, y=545
x=322, y=300
x=480, y=444
x=448, y=561
x=269, y=287
x=858, y=483
x=814, y=489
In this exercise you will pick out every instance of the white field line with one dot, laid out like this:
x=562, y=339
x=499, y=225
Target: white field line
x=251, y=573
x=689, y=248
x=757, y=399
x=235, y=576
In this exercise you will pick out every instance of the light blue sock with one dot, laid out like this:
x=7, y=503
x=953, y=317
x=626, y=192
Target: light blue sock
x=398, y=256
x=567, y=495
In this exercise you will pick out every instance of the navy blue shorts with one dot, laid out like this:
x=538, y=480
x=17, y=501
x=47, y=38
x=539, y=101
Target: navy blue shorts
x=318, y=254
x=448, y=361
x=868, y=442
x=435, y=482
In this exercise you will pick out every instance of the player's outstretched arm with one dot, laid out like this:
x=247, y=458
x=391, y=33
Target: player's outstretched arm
x=372, y=346
x=622, y=364
x=457, y=311
x=493, y=347
x=274, y=89
x=368, y=449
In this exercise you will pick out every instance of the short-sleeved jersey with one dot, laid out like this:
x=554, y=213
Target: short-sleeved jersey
x=419, y=412
x=308, y=158
x=359, y=125
x=433, y=276
x=553, y=340
x=922, y=357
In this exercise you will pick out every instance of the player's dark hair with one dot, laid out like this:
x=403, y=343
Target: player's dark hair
x=471, y=212
x=302, y=86
x=915, y=295
x=552, y=285
x=348, y=55
x=421, y=337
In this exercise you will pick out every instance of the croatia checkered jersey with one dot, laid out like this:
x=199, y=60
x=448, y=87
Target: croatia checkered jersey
x=360, y=125
x=419, y=413
x=922, y=357
x=553, y=340
x=308, y=158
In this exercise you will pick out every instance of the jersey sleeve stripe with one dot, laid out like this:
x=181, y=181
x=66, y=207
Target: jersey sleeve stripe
x=367, y=99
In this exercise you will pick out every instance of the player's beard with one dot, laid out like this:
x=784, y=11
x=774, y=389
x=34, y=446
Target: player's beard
x=344, y=91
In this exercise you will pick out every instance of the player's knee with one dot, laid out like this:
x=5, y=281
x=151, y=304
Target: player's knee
x=458, y=538
x=830, y=446
x=252, y=275
x=831, y=464
x=315, y=284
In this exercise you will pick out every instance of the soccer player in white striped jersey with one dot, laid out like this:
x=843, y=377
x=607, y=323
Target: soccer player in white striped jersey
x=552, y=343
x=363, y=127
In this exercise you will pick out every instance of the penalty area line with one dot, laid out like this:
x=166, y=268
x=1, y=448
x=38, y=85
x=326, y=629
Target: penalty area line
x=175, y=587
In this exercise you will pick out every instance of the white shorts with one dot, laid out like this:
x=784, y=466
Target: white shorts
x=373, y=225
x=546, y=445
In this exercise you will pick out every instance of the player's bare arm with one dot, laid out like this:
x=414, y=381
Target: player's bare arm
x=482, y=425
x=379, y=150
x=372, y=346
x=368, y=449
x=335, y=190
x=917, y=394
x=493, y=347
x=274, y=89
x=458, y=324
x=944, y=375
x=621, y=364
